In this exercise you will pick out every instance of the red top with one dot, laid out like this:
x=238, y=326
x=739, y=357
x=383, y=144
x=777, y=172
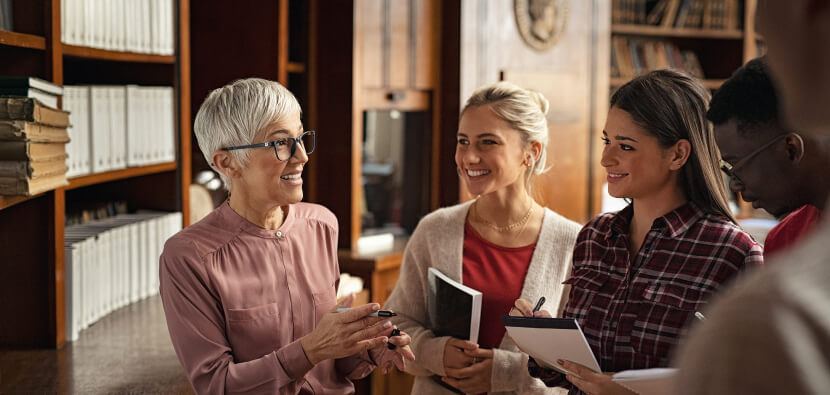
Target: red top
x=499, y=273
x=791, y=229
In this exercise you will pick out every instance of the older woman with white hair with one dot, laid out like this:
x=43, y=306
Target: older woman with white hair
x=503, y=244
x=249, y=291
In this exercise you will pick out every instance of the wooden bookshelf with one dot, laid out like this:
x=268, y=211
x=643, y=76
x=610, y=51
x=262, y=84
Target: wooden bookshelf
x=32, y=287
x=22, y=40
x=720, y=51
x=117, y=56
x=8, y=201
x=659, y=31
x=115, y=175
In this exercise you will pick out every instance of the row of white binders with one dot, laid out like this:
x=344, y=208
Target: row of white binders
x=143, y=26
x=113, y=262
x=113, y=127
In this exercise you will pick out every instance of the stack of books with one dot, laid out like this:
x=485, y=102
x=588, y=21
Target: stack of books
x=33, y=139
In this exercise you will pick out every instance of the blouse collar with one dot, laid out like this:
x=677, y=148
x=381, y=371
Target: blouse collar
x=237, y=221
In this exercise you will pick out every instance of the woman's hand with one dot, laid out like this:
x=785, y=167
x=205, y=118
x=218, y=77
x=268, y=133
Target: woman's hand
x=473, y=379
x=523, y=308
x=454, y=355
x=339, y=335
x=592, y=383
x=389, y=358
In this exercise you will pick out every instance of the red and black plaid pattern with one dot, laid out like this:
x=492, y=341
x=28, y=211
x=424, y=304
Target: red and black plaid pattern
x=634, y=311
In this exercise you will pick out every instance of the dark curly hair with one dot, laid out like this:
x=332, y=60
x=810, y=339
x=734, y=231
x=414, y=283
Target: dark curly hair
x=748, y=96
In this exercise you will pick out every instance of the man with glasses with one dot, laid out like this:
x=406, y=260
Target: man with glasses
x=770, y=333
x=771, y=167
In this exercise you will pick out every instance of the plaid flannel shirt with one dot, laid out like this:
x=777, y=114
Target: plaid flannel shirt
x=633, y=312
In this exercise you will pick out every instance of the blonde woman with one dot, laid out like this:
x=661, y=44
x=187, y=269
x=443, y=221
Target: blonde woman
x=503, y=244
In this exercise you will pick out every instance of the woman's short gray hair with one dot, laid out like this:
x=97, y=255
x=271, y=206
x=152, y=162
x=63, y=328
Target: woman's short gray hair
x=234, y=114
x=523, y=109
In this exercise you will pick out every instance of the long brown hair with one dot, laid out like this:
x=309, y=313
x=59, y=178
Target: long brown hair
x=672, y=106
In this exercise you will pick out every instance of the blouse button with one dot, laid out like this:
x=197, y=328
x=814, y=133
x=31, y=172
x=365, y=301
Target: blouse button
x=279, y=233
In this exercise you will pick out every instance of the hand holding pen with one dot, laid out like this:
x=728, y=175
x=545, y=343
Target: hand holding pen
x=523, y=308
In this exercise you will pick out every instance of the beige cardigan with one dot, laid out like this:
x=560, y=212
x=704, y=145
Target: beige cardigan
x=438, y=242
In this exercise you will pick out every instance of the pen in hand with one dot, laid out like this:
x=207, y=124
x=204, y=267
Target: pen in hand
x=700, y=316
x=379, y=313
x=539, y=304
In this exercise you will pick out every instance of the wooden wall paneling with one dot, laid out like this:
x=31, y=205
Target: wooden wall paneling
x=425, y=19
x=601, y=70
x=231, y=42
x=282, y=45
x=371, y=40
x=445, y=183
x=312, y=172
x=398, y=50
x=335, y=92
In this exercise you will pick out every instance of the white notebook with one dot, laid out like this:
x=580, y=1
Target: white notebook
x=549, y=339
x=655, y=381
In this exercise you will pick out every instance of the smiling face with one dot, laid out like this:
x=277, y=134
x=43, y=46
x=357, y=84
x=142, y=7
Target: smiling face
x=489, y=153
x=636, y=165
x=268, y=180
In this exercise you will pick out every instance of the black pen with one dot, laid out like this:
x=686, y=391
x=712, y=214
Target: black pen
x=379, y=313
x=539, y=304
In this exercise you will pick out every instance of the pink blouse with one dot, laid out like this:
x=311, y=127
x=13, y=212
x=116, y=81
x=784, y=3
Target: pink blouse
x=238, y=298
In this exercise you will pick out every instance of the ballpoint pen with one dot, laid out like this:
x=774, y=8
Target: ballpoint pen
x=379, y=313
x=539, y=304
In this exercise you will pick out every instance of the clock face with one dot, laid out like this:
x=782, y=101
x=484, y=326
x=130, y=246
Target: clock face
x=541, y=22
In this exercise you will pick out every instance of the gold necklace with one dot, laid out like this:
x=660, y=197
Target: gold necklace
x=505, y=228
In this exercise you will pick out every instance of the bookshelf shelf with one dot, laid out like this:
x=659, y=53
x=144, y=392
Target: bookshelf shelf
x=22, y=40
x=659, y=31
x=117, y=56
x=708, y=83
x=295, y=67
x=33, y=288
x=8, y=201
x=116, y=175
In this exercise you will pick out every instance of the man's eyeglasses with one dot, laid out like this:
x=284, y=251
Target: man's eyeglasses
x=730, y=169
x=285, y=147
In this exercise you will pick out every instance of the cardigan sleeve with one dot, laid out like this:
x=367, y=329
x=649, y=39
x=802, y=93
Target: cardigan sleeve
x=409, y=301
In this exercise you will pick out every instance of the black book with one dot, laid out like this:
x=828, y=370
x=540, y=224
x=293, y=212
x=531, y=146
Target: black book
x=454, y=309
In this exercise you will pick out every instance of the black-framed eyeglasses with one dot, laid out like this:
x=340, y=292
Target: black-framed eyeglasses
x=285, y=147
x=730, y=169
